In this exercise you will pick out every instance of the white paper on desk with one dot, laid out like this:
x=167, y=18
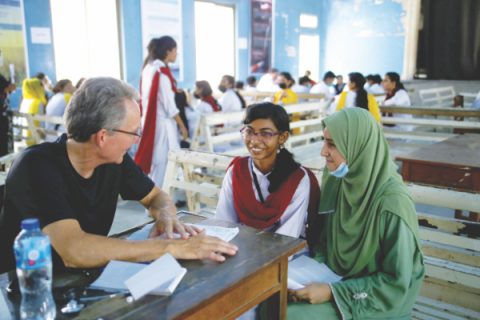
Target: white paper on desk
x=305, y=270
x=226, y=234
x=159, y=277
x=115, y=274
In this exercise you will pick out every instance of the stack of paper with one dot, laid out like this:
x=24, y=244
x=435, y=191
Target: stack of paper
x=159, y=277
x=304, y=270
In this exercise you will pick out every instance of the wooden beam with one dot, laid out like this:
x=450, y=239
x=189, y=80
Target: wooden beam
x=427, y=111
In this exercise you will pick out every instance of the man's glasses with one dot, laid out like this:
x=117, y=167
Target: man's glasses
x=248, y=134
x=137, y=133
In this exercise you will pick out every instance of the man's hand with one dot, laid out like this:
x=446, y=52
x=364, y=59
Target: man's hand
x=313, y=293
x=202, y=247
x=168, y=224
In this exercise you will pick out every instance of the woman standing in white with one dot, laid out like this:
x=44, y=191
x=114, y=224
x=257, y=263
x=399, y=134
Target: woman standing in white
x=396, y=96
x=160, y=115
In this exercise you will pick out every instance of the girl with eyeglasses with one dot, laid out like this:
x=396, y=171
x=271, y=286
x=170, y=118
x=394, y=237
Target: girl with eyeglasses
x=268, y=190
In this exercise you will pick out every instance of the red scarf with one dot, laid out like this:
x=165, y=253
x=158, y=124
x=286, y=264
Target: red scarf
x=264, y=215
x=211, y=101
x=144, y=155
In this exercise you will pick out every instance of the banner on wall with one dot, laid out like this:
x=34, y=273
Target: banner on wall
x=163, y=18
x=261, y=39
x=12, y=44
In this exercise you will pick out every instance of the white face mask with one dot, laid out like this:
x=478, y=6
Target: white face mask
x=341, y=171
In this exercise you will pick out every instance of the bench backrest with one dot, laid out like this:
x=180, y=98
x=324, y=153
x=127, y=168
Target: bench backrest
x=437, y=96
x=31, y=129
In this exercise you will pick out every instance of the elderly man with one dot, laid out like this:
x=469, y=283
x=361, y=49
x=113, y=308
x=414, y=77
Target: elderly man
x=72, y=186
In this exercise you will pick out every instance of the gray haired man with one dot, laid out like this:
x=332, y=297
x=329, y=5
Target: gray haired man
x=72, y=186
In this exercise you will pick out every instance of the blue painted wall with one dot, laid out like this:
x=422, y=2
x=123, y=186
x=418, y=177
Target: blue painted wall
x=355, y=35
x=365, y=36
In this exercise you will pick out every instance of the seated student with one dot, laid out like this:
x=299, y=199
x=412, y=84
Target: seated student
x=339, y=85
x=63, y=91
x=323, y=87
x=368, y=230
x=33, y=102
x=231, y=100
x=207, y=103
x=251, y=84
x=374, y=84
x=72, y=186
x=356, y=96
x=286, y=95
x=268, y=190
x=396, y=96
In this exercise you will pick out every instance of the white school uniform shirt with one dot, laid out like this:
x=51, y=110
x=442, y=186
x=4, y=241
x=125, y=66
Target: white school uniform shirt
x=293, y=219
x=204, y=107
x=321, y=87
x=266, y=83
x=401, y=99
x=375, y=89
x=166, y=132
x=230, y=101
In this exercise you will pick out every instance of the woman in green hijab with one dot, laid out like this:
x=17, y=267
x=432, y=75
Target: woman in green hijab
x=369, y=229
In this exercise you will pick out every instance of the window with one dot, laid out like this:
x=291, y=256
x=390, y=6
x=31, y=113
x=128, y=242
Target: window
x=85, y=35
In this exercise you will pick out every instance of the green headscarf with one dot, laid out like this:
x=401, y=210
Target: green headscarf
x=371, y=187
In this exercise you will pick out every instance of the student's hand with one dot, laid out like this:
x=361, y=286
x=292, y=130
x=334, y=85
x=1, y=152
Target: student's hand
x=202, y=247
x=168, y=224
x=313, y=293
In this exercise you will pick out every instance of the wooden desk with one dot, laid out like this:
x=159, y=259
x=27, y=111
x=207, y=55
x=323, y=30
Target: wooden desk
x=209, y=290
x=452, y=163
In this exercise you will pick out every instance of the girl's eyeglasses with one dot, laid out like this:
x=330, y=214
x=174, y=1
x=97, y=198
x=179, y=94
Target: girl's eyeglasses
x=248, y=134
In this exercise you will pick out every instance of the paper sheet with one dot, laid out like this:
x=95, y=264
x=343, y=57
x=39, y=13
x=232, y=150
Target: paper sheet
x=226, y=234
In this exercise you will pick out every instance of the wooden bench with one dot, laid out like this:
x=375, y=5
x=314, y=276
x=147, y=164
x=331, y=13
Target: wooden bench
x=209, y=137
x=451, y=288
x=257, y=96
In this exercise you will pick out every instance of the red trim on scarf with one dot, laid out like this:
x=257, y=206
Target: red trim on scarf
x=211, y=101
x=166, y=71
x=264, y=215
x=143, y=157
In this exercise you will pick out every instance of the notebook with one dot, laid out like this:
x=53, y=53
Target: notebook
x=304, y=270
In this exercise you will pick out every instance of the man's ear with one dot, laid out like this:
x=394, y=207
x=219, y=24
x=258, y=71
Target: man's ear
x=100, y=137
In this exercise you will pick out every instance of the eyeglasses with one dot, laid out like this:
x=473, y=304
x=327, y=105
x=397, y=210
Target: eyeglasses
x=248, y=134
x=137, y=133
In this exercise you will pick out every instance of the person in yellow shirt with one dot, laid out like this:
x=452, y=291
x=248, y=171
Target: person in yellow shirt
x=356, y=96
x=286, y=94
x=33, y=103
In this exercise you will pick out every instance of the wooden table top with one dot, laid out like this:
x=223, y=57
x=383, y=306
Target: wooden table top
x=460, y=150
x=203, y=281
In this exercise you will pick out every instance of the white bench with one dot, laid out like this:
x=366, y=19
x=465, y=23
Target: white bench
x=35, y=125
x=451, y=288
x=209, y=137
x=437, y=96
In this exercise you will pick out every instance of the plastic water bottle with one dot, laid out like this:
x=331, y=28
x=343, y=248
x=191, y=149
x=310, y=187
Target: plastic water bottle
x=34, y=272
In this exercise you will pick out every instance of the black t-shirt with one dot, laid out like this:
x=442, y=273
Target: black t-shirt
x=42, y=183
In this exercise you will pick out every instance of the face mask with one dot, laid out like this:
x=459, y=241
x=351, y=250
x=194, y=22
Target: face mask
x=282, y=85
x=196, y=95
x=341, y=171
x=222, y=88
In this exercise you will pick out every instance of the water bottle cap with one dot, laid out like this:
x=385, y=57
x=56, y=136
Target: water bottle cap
x=30, y=224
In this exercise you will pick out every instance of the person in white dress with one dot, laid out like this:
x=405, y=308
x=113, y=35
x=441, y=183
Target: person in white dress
x=63, y=91
x=231, y=100
x=160, y=116
x=268, y=81
x=323, y=87
x=397, y=96
x=374, y=84
x=268, y=190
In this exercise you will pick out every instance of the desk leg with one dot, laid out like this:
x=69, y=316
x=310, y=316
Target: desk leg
x=277, y=303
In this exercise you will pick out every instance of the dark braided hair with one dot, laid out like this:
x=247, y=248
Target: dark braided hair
x=284, y=164
x=361, y=100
